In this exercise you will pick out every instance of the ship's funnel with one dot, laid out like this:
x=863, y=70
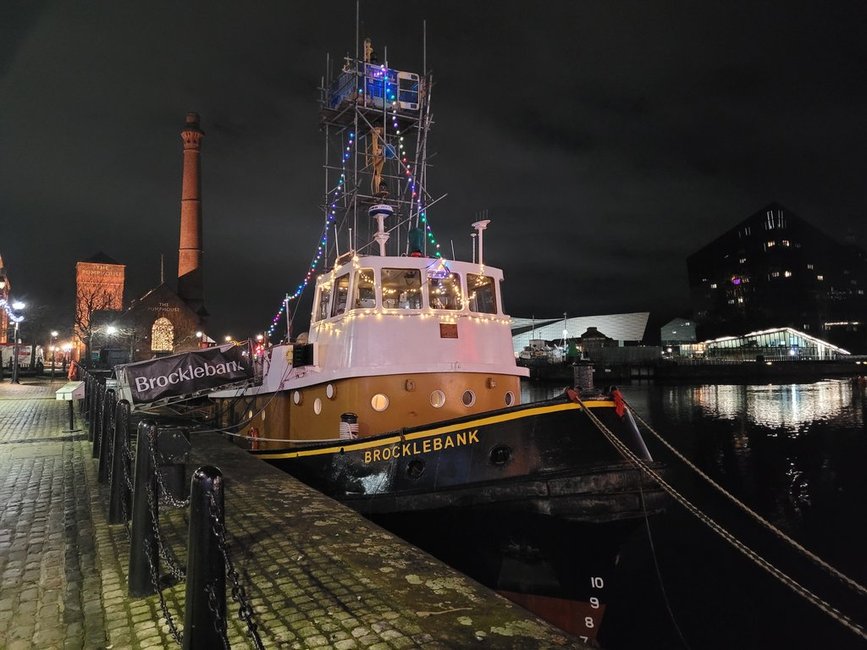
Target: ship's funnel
x=380, y=212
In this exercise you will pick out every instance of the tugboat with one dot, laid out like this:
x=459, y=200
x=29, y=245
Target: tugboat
x=403, y=401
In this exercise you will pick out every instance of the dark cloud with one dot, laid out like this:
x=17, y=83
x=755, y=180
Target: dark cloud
x=606, y=140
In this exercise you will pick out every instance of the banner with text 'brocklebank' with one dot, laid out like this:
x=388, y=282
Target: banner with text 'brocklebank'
x=184, y=374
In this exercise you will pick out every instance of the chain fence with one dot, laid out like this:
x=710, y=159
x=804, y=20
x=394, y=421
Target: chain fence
x=110, y=427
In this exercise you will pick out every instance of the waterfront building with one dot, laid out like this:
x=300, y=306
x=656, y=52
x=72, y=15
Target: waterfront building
x=675, y=333
x=778, y=344
x=163, y=320
x=99, y=287
x=623, y=329
x=775, y=269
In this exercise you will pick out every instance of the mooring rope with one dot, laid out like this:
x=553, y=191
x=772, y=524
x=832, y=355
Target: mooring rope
x=842, y=577
x=757, y=559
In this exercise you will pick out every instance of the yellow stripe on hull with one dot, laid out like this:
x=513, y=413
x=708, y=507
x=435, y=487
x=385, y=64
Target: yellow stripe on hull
x=428, y=433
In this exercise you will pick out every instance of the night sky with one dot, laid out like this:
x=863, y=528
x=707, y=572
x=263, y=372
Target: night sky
x=607, y=140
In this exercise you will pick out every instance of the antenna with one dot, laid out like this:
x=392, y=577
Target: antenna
x=162, y=268
x=473, y=236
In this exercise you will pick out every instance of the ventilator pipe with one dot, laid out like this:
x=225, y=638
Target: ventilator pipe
x=480, y=227
x=380, y=212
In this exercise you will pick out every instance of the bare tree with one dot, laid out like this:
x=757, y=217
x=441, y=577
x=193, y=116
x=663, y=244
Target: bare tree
x=90, y=299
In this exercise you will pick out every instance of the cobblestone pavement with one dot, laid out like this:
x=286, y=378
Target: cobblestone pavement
x=50, y=589
x=317, y=574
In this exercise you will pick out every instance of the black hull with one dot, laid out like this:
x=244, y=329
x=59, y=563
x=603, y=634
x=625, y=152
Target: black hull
x=544, y=458
x=532, y=501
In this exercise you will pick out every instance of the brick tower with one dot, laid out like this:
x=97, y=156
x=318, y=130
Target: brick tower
x=190, y=280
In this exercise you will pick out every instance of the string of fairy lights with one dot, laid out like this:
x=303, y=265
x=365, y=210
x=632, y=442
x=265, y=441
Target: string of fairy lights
x=415, y=198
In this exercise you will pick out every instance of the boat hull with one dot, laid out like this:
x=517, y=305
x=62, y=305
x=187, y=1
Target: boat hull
x=532, y=501
x=545, y=459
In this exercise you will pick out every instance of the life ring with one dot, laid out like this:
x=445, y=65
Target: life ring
x=254, y=438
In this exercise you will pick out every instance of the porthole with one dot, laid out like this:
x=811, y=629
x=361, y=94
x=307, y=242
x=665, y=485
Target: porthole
x=415, y=468
x=468, y=398
x=317, y=406
x=510, y=398
x=409, y=385
x=500, y=455
x=437, y=399
x=296, y=397
x=330, y=391
x=379, y=402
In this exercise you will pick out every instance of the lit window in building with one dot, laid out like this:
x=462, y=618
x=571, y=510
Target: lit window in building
x=162, y=335
x=809, y=267
x=775, y=274
x=772, y=243
x=731, y=301
x=820, y=277
x=713, y=286
x=785, y=242
x=740, y=299
x=743, y=260
x=788, y=274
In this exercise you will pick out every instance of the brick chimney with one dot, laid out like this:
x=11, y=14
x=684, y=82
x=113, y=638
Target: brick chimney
x=190, y=279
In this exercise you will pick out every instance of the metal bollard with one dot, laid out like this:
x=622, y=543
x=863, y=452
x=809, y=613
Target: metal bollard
x=96, y=421
x=106, y=434
x=143, y=541
x=205, y=613
x=91, y=408
x=118, y=500
x=173, y=448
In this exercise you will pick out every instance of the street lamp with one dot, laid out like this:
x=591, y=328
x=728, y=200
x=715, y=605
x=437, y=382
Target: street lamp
x=53, y=349
x=67, y=348
x=16, y=318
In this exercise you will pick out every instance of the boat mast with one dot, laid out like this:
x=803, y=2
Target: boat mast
x=368, y=113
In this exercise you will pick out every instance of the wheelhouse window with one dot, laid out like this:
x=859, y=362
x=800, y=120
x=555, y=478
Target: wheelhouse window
x=401, y=288
x=322, y=301
x=445, y=293
x=483, y=293
x=365, y=290
x=341, y=295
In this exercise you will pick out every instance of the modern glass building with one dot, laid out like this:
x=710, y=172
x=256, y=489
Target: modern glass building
x=780, y=344
x=775, y=269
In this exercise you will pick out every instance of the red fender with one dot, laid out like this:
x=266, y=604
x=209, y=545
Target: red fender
x=254, y=438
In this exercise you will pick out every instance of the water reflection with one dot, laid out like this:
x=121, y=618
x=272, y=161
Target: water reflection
x=790, y=408
x=795, y=453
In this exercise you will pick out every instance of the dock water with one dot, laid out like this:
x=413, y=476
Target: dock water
x=316, y=573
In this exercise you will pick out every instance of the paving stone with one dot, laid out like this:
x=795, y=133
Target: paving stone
x=310, y=583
